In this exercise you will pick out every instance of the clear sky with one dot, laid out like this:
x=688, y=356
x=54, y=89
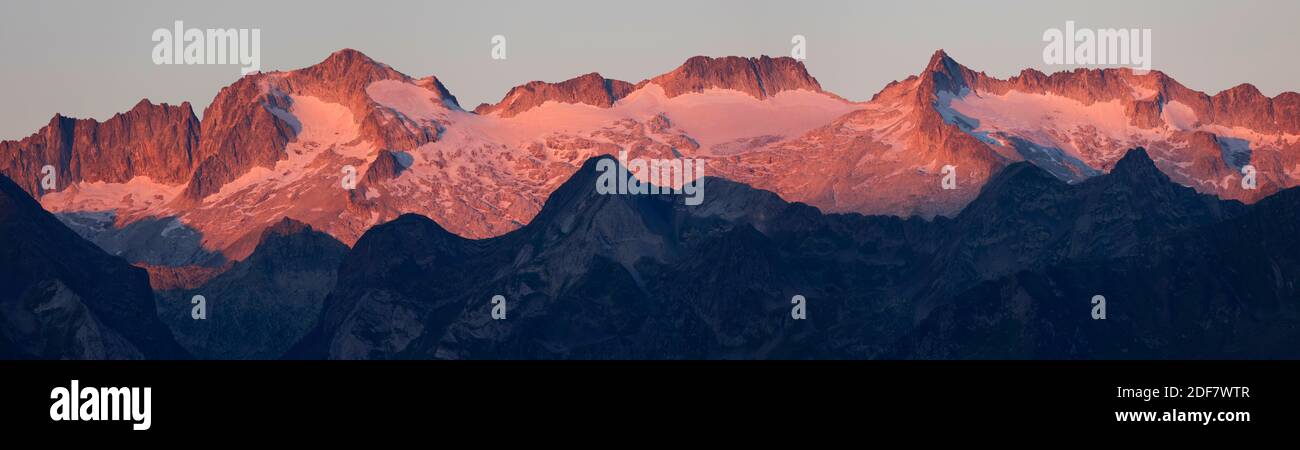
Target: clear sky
x=93, y=58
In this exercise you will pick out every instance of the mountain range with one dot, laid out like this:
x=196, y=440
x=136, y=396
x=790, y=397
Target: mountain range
x=615, y=276
x=163, y=188
x=597, y=276
x=346, y=210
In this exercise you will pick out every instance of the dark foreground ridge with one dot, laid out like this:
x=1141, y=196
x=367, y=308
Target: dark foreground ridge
x=61, y=297
x=627, y=276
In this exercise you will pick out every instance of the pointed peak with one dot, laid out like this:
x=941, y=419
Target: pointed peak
x=285, y=227
x=1136, y=163
x=434, y=84
x=348, y=54
x=348, y=60
x=581, y=198
x=1010, y=185
x=1136, y=156
x=947, y=74
x=581, y=184
x=584, y=180
x=143, y=103
x=939, y=60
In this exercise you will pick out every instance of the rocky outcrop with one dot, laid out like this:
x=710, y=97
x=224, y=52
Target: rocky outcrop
x=155, y=141
x=590, y=89
x=387, y=165
x=248, y=124
x=760, y=77
x=1143, y=95
x=1201, y=141
x=240, y=132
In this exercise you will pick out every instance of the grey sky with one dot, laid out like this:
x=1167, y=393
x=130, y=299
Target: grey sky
x=92, y=59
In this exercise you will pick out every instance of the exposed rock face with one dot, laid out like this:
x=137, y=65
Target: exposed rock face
x=239, y=133
x=172, y=218
x=1143, y=95
x=63, y=298
x=760, y=77
x=388, y=165
x=590, y=89
x=248, y=123
x=1077, y=124
x=263, y=304
x=155, y=141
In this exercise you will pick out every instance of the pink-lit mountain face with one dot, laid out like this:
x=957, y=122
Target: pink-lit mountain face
x=283, y=144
